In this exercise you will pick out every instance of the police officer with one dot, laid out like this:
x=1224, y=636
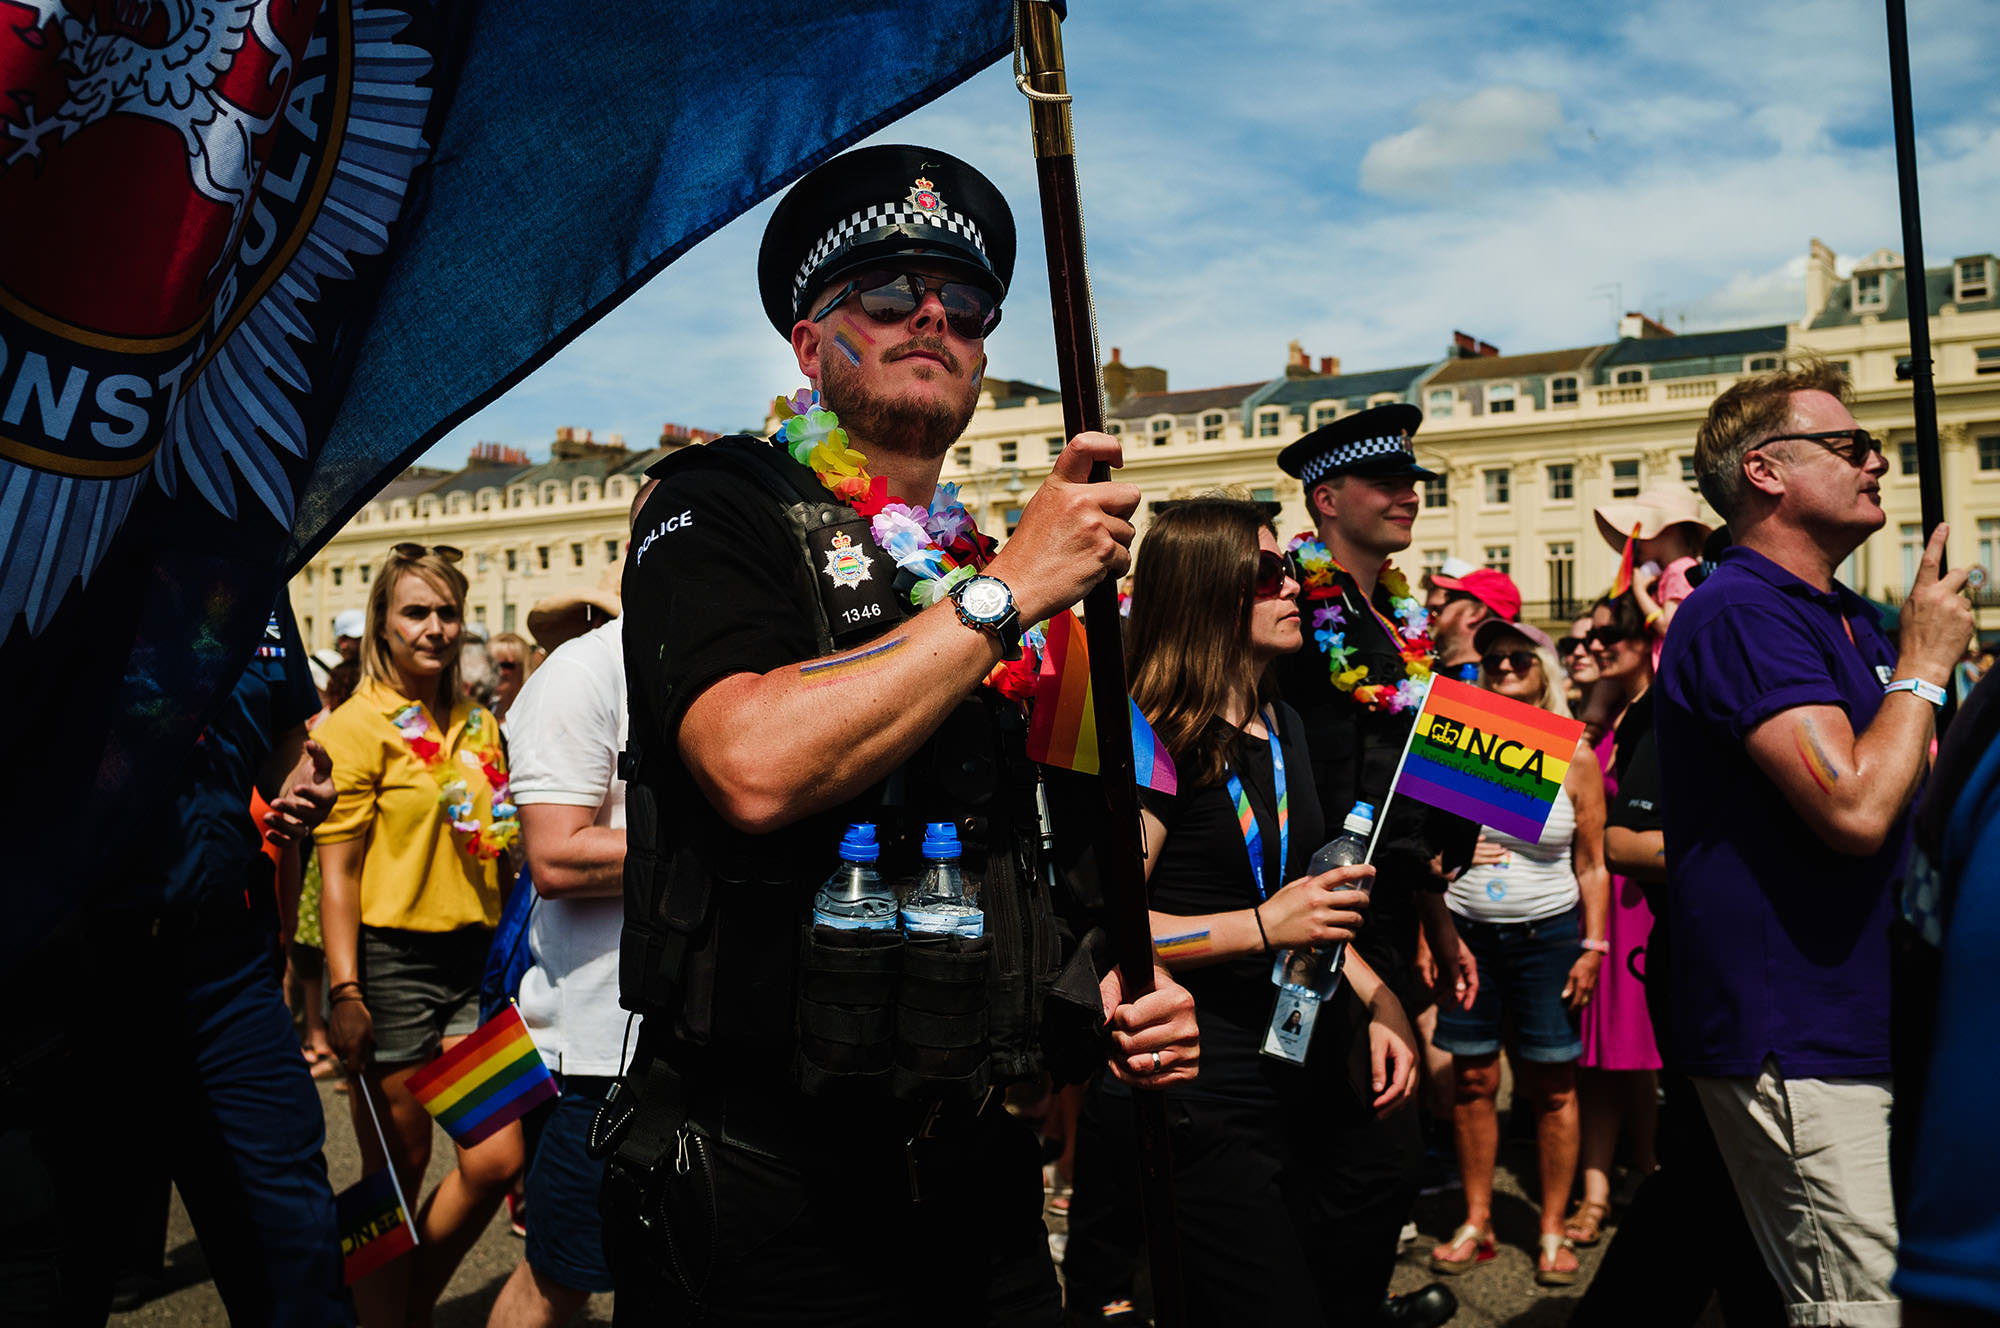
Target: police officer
x=1358, y=690
x=811, y=1130
x=166, y=1050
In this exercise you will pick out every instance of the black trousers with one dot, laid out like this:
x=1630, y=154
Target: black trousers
x=741, y=1238
x=1287, y=1212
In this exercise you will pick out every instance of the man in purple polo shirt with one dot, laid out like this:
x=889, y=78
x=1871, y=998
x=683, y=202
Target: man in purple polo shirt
x=1793, y=735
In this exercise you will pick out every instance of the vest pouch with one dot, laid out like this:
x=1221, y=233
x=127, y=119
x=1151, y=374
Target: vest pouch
x=941, y=1018
x=847, y=1011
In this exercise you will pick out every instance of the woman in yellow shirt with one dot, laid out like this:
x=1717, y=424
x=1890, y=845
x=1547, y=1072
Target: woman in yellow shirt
x=410, y=860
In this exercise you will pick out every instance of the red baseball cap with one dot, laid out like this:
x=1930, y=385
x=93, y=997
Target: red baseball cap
x=1496, y=590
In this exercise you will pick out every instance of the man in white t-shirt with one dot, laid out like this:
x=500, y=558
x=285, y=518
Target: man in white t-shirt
x=564, y=732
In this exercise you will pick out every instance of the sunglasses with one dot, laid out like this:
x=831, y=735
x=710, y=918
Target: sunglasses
x=1608, y=636
x=451, y=553
x=1569, y=645
x=1520, y=661
x=890, y=297
x=1854, y=446
x=1272, y=571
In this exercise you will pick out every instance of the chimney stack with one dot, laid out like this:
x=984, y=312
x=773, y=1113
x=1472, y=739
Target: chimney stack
x=1821, y=278
x=1115, y=353
x=1329, y=365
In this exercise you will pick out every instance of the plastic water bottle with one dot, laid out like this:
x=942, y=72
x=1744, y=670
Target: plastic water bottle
x=855, y=897
x=1349, y=849
x=938, y=906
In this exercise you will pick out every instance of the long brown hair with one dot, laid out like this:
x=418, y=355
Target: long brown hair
x=445, y=578
x=1191, y=599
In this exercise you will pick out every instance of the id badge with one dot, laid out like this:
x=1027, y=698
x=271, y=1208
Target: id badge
x=1304, y=980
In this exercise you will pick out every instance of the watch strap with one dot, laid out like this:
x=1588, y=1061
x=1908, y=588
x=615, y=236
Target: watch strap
x=1929, y=691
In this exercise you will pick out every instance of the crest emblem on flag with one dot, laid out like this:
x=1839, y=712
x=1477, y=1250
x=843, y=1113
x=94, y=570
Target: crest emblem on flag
x=924, y=196
x=186, y=195
x=846, y=567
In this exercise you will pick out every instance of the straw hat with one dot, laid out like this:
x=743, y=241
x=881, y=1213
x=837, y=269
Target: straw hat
x=1658, y=507
x=561, y=618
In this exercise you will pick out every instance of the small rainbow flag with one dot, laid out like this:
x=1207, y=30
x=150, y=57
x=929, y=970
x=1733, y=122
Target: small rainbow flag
x=1488, y=758
x=1623, y=581
x=486, y=1082
x=374, y=1225
x=1063, y=731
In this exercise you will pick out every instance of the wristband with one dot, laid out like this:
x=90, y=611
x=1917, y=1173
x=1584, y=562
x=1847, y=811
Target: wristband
x=1602, y=947
x=1261, y=934
x=339, y=987
x=1929, y=691
x=1654, y=617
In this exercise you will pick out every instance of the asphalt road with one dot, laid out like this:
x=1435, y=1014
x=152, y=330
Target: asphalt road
x=1500, y=1292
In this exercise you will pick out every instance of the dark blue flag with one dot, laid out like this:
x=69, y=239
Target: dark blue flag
x=258, y=255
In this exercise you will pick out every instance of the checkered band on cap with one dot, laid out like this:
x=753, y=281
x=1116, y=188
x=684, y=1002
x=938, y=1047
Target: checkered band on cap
x=881, y=216
x=1347, y=454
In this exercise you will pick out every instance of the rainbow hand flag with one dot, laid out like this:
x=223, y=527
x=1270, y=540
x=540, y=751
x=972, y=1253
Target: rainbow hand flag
x=486, y=1082
x=1488, y=758
x=1623, y=581
x=1063, y=731
x=374, y=1225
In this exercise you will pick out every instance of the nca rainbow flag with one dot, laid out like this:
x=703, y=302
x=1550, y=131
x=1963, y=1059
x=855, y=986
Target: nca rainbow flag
x=1487, y=758
x=1063, y=731
x=374, y=1224
x=486, y=1082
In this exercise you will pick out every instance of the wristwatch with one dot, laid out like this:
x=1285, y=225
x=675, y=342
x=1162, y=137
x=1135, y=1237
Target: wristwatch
x=986, y=604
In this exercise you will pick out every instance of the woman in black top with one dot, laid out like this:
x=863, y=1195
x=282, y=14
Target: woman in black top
x=1212, y=605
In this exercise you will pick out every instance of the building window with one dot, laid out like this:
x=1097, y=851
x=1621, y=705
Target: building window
x=1161, y=429
x=1499, y=485
x=1973, y=283
x=365, y=570
x=1989, y=552
x=1986, y=360
x=483, y=562
x=1868, y=290
x=1843, y=367
x=1264, y=495
x=961, y=456
x=1562, y=483
x=1441, y=401
x=1325, y=415
x=1688, y=476
x=1013, y=519
x=1211, y=426
x=1626, y=377
x=309, y=576
x=1500, y=398
x=1989, y=459
x=336, y=571
x=1912, y=540
x=1625, y=479
x=1267, y=422
x=513, y=560
x=1906, y=458
x=1562, y=578
x=1055, y=445
x=576, y=555
x=1114, y=428
x=1499, y=558
x=542, y=556
x=1010, y=452
x=479, y=614
x=507, y=618
x=1562, y=391
x=611, y=551
x=1437, y=492
x=1433, y=562
x=1762, y=363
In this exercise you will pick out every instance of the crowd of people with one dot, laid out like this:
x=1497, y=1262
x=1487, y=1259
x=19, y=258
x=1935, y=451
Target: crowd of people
x=774, y=1112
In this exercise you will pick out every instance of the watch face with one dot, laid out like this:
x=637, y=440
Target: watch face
x=985, y=598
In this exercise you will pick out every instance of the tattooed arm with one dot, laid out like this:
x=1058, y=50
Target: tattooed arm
x=1848, y=787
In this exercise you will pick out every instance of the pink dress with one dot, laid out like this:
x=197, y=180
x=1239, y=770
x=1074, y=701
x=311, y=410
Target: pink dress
x=1617, y=1032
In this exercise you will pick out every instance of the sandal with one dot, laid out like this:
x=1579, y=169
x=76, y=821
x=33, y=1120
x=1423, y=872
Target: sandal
x=1586, y=1225
x=1546, y=1274
x=1483, y=1251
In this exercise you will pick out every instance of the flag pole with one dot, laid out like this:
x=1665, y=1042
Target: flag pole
x=359, y=1083
x=1382, y=812
x=1040, y=74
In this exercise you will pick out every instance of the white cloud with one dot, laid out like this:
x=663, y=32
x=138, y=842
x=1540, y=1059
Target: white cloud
x=1493, y=127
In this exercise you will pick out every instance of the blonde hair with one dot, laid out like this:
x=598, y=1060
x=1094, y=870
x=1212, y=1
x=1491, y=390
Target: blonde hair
x=1750, y=411
x=1552, y=699
x=522, y=645
x=443, y=576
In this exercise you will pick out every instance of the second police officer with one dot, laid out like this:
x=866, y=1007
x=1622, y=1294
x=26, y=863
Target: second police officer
x=816, y=635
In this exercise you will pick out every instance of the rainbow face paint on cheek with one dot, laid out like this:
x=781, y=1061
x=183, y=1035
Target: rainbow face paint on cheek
x=846, y=347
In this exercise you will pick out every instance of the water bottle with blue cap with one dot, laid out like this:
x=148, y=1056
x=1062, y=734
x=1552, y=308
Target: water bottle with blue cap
x=938, y=904
x=855, y=897
x=1305, y=977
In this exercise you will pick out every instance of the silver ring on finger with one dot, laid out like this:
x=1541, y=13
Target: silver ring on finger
x=1156, y=1062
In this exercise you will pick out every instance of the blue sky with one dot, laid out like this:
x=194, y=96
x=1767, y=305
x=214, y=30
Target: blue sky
x=1366, y=178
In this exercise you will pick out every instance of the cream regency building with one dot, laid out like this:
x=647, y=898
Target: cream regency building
x=1526, y=445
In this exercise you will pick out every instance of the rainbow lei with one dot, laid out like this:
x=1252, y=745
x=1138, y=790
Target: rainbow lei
x=1410, y=630
x=937, y=547
x=479, y=840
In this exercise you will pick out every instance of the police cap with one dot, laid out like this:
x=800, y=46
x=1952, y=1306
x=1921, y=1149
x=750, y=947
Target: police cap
x=887, y=201
x=1374, y=442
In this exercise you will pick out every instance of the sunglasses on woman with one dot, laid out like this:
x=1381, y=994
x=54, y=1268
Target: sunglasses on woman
x=1272, y=569
x=1608, y=636
x=1520, y=661
x=890, y=297
x=451, y=553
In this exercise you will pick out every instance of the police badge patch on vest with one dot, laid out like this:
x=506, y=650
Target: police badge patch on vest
x=857, y=586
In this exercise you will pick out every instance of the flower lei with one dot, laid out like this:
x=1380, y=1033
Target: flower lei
x=934, y=548
x=479, y=841
x=1410, y=631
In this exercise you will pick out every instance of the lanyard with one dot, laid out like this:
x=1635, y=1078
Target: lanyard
x=1253, y=838
x=1389, y=629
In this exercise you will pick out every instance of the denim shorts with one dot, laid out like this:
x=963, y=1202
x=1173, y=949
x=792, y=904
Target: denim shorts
x=1523, y=967
x=565, y=1235
x=421, y=988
